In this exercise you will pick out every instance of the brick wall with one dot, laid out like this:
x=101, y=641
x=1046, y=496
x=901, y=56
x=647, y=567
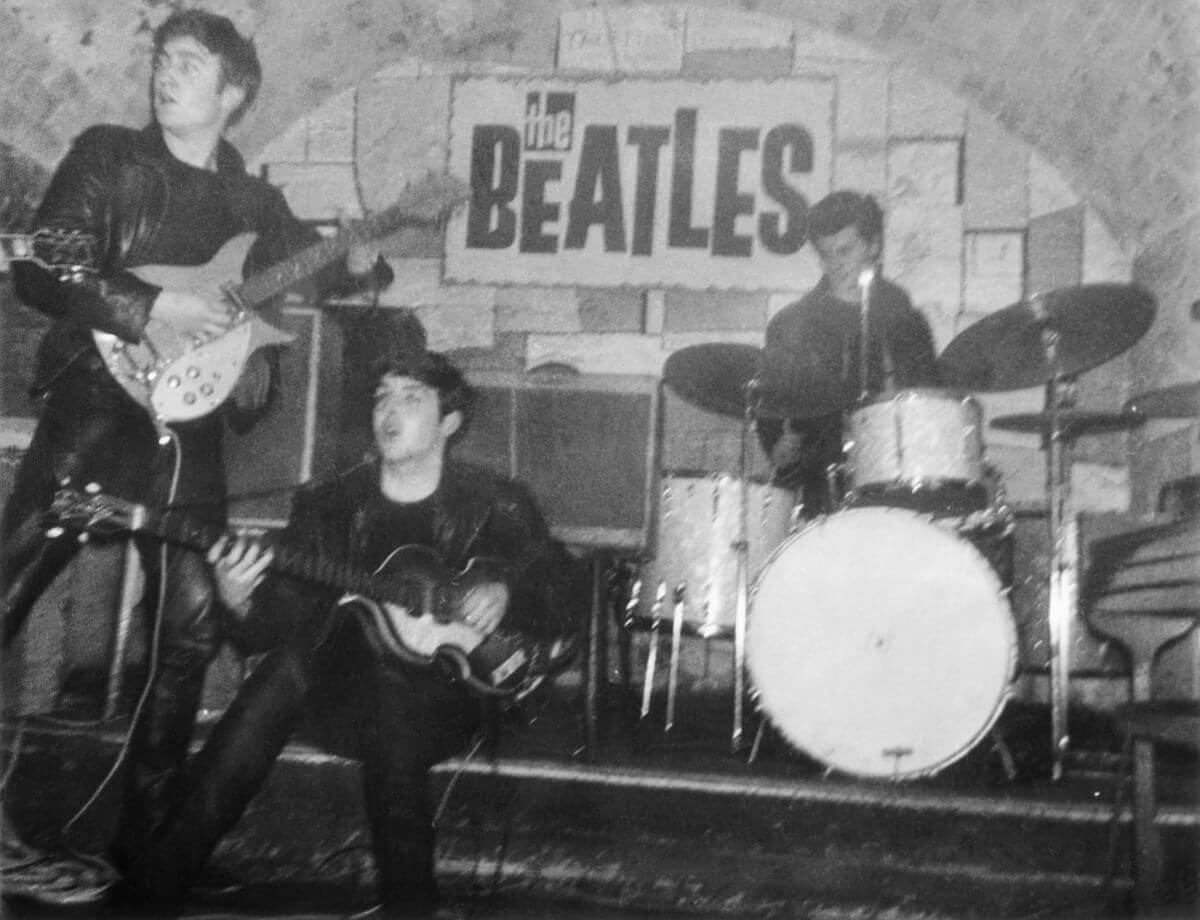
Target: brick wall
x=975, y=218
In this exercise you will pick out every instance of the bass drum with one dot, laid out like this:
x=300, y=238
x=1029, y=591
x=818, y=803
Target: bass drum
x=880, y=644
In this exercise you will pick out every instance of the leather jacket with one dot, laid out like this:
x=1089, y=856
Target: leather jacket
x=477, y=515
x=112, y=186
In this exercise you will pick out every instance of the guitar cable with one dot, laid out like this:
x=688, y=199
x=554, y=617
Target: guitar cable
x=52, y=879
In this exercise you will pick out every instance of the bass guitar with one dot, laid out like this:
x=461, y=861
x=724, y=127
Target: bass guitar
x=409, y=606
x=177, y=378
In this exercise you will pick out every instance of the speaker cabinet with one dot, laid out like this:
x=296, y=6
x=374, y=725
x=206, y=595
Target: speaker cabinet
x=299, y=439
x=586, y=444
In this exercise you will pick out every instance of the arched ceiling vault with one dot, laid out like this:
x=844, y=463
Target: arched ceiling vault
x=1104, y=89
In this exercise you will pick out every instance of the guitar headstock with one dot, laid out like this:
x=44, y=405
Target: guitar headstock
x=93, y=512
x=424, y=202
x=63, y=251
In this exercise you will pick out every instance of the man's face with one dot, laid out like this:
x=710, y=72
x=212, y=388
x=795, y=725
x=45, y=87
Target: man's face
x=187, y=88
x=407, y=420
x=843, y=256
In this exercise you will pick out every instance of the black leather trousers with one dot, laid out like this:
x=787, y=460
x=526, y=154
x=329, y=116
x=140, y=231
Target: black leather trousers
x=90, y=431
x=397, y=724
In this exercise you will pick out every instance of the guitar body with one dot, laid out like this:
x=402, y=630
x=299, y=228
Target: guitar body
x=173, y=377
x=421, y=626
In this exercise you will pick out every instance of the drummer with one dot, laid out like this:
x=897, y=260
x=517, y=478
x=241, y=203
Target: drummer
x=814, y=345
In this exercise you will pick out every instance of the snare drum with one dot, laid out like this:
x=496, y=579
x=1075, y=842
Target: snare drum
x=697, y=534
x=919, y=439
x=880, y=643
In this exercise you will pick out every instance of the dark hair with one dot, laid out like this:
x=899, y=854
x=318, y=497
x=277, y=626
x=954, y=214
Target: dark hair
x=239, y=59
x=435, y=370
x=839, y=210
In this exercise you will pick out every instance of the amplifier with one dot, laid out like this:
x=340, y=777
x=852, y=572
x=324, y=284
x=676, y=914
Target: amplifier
x=587, y=445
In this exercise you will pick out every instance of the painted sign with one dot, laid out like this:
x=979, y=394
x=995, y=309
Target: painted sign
x=651, y=183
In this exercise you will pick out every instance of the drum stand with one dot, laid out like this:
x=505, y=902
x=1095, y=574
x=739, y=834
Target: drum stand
x=1064, y=555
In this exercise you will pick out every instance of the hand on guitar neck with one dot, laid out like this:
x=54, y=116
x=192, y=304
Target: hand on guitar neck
x=240, y=565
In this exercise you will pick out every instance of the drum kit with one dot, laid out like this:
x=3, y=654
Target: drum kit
x=877, y=639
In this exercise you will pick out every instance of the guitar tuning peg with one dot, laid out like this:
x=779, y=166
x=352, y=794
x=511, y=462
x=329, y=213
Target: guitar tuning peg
x=55, y=532
x=83, y=536
x=92, y=488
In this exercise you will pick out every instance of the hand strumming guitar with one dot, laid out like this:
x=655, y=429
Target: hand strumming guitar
x=191, y=314
x=484, y=606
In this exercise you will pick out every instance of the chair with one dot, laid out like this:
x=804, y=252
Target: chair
x=1143, y=592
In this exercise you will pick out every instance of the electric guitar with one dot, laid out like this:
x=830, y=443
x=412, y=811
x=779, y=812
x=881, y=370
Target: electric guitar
x=409, y=606
x=177, y=378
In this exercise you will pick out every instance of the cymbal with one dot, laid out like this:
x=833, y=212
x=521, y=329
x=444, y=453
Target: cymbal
x=1072, y=423
x=1005, y=351
x=713, y=375
x=723, y=377
x=1179, y=401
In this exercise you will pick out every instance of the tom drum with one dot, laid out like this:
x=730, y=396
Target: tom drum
x=698, y=519
x=917, y=439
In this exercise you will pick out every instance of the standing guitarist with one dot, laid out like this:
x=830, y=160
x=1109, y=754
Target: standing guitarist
x=170, y=194
x=399, y=717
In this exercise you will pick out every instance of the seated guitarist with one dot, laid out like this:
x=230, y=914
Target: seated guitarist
x=170, y=194
x=324, y=664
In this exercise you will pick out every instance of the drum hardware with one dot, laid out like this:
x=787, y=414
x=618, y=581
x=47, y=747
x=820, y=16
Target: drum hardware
x=1048, y=340
x=652, y=657
x=1179, y=401
x=729, y=379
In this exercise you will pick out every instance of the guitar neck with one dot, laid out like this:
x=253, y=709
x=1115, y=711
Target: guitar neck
x=270, y=282
x=262, y=286
x=193, y=532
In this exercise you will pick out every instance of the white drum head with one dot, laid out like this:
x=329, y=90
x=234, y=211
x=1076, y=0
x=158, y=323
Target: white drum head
x=880, y=644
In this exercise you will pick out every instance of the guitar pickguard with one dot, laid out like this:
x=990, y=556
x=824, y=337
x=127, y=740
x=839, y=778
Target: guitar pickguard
x=175, y=378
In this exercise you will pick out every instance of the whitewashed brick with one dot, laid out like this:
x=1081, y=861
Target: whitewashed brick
x=656, y=312
x=1022, y=473
x=599, y=353
x=816, y=44
x=711, y=29
x=458, y=324
x=674, y=341
x=1097, y=487
x=780, y=299
x=861, y=166
x=331, y=130
x=1048, y=190
x=402, y=134
x=640, y=39
x=318, y=191
x=537, y=309
x=995, y=177
x=923, y=253
x=920, y=107
x=923, y=173
x=1103, y=257
x=418, y=284
x=993, y=270
x=288, y=147
x=407, y=68
x=862, y=100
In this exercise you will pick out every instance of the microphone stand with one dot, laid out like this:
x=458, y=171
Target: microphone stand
x=865, y=277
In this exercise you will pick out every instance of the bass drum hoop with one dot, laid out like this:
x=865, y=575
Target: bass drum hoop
x=808, y=687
